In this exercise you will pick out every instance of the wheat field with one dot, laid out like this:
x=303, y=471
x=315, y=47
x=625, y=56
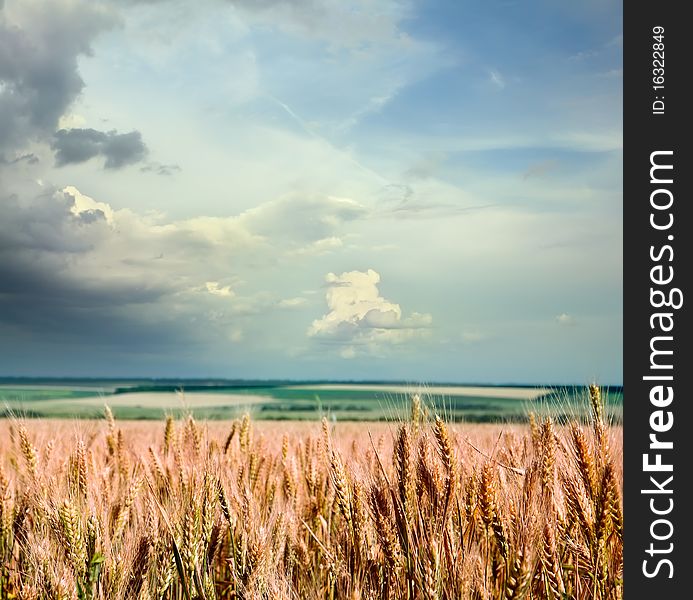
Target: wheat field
x=414, y=510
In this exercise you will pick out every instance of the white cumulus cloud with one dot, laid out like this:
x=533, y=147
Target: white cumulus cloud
x=83, y=204
x=359, y=317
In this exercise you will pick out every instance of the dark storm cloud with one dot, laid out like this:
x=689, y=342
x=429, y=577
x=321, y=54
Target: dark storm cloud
x=41, y=241
x=72, y=146
x=50, y=304
x=44, y=229
x=39, y=76
x=34, y=295
x=46, y=311
x=54, y=324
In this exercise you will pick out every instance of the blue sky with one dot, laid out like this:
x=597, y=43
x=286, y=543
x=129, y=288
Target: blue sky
x=428, y=191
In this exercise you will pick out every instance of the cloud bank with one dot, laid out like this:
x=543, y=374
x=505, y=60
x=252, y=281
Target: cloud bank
x=64, y=254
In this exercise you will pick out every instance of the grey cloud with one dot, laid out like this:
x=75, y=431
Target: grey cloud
x=74, y=146
x=43, y=301
x=49, y=283
x=160, y=169
x=30, y=158
x=75, y=269
x=52, y=304
x=91, y=216
x=39, y=78
x=45, y=228
x=51, y=323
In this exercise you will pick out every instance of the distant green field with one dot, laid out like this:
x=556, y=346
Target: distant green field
x=35, y=395
x=364, y=402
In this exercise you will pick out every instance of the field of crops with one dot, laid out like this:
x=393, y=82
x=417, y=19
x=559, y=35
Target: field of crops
x=288, y=401
x=420, y=509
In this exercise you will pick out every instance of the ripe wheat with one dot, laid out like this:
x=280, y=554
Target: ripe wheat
x=219, y=511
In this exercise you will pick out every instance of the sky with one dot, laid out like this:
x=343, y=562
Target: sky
x=416, y=190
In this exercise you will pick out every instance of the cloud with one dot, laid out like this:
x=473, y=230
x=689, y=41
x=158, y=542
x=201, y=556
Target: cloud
x=319, y=247
x=360, y=317
x=161, y=169
x=351, y=25
x=292, y=302
x=86, y=266
x=496, y=79
x=28, y=157
x=69, y=262
x=303, y=225
x=40, y=43
x=71, y=121
x=86, y=208
x=73, y=146
x=565, y=319
x=216, y=289
x=583, y=55
x=60, y=292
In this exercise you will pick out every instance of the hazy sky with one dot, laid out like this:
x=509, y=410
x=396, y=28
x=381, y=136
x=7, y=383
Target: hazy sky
x=374, y=189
